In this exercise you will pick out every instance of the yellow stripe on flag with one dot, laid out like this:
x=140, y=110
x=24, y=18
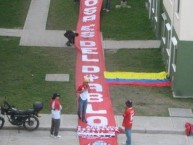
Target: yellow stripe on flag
x=135, y=75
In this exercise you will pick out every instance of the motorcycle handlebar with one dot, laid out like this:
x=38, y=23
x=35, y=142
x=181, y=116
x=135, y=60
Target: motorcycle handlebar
x=7, y=104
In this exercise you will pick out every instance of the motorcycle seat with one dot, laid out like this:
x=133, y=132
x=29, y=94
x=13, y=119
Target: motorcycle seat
x=28, y=111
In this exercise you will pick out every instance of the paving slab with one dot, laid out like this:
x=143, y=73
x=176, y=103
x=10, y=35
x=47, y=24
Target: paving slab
x=109, y=44
x=37, y=15
x=10, y=32
x=153, y=124
x=12, y=137
x=57, y=77
x=48, y=38
x=180, y=112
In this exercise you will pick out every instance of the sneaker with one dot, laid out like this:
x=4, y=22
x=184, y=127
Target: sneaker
x=58, y=136
x=124, y=143
x=107, y=10
x=84, y=121
x=51, y=135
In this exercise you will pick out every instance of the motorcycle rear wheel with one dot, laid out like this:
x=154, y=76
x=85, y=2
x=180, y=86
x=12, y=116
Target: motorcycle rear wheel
x=2, y=121
x=31, y=123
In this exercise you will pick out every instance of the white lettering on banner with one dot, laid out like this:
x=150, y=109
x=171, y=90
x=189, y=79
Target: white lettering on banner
x=95, y=97
x=96, y=87
x=87, y=34
x=90, y=2
x=87, y=31
x=91, y=111
x=88, y=28
x=89, y=50
x=90, y=69
x=89, y=18
x=87, y=43
x=95, y=131
x=85, y=58
x=97, y=121
x=90, y=11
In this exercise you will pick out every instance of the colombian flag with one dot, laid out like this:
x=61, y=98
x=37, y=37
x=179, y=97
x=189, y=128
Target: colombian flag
x=137, y=78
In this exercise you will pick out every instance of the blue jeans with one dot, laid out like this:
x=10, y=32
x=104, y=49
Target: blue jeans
x=128, y=135
x=82, y=105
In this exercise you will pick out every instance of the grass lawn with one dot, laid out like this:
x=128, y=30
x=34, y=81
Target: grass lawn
x=118, y=24
x=127, y=24
x=63, y=15
x=146, y=100
x=17, y=64
x=13, y=13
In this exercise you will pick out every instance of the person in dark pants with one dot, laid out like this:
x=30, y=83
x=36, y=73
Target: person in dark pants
x=83, y=91
x=107, y=5
x=56, y=115
x=128, y=121
x=70, y=35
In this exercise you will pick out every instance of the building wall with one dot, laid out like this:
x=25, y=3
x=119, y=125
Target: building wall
x=182, y=21
x=186, y=20
x=183, y=78
x=178, y=57
x=177, y=44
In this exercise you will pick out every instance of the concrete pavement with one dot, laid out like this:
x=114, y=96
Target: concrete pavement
x=141, y=124
x=146, y=130
x=12, y=137
x=55, y=38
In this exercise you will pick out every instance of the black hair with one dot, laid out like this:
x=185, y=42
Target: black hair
x=55, y=95
x=129, y=103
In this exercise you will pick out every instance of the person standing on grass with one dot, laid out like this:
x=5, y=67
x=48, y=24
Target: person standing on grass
x=107, y=5
x=56, y=108
x=83, y=91
x=128, y=121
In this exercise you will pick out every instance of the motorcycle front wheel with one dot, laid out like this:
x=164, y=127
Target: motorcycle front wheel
x=31, y=123
x=2, y=121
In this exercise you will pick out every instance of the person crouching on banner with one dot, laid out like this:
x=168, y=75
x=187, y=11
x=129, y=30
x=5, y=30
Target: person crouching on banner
x=56, y=115
x=83, y=91
x=128, y=121
x=70, y=35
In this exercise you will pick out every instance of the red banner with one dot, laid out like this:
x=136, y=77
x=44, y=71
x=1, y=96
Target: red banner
x=101, y=127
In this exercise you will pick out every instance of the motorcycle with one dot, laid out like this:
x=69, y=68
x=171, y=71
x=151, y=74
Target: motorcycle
x=26, y=118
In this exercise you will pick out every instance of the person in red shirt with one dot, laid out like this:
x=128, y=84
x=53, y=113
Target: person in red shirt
x=56, y=108
x=128, y=121
x=83, y=91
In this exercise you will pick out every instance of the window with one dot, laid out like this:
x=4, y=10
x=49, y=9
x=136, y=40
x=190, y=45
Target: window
x=174, y=53
x=168, y=27
x=153, y=6
x=156, y=9
x=150, y=8
x=164, y=18
x=177, y=6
